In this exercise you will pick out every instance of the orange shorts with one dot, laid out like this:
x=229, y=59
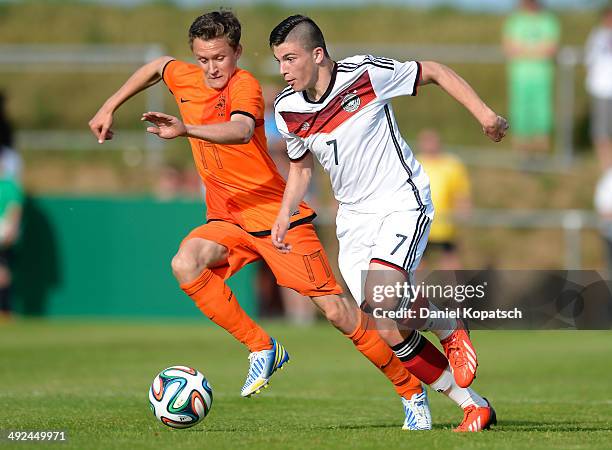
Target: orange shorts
x=305, y=269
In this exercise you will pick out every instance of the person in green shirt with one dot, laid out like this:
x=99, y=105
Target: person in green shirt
x=11, y=205
x=531, y=39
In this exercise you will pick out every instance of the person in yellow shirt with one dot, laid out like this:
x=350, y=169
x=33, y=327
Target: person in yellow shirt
x=450, y=194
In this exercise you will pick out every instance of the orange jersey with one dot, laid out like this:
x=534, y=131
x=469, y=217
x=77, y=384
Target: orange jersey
x=242, y=183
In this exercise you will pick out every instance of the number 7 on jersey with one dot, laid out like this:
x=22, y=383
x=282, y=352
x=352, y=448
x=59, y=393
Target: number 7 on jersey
x=334, y=142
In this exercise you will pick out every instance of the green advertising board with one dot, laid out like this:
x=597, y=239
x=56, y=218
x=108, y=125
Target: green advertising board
x=108, y=257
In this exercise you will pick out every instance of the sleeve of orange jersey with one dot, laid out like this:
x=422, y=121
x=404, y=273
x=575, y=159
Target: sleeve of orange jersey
x=246, y=98
x=168, y=74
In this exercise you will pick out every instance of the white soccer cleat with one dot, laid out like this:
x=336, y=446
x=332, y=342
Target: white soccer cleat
x=262, y=365
x=418, y=415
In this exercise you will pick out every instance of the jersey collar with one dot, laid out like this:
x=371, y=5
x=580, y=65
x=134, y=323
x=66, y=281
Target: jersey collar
x=332, y=81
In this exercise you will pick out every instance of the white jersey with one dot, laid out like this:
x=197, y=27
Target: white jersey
x=598, y=59
x=352, y=131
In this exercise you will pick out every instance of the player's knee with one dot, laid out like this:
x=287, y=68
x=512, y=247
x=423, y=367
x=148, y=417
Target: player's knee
x=209, y=254
x=184, y=267
x=194, y=256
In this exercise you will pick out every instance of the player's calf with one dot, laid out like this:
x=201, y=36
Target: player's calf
x=455, y=339
x=341, y=312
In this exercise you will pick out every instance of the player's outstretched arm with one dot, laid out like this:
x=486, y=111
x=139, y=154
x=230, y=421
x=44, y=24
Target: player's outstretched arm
x=300, y=173
x=238, y=130
x=146, y=76
x=493, y=125
x=164, y=126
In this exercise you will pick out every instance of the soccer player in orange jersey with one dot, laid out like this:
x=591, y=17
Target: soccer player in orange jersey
x=222, y=110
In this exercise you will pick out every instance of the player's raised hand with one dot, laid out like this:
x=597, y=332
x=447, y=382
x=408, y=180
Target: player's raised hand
x=279, y=231
x=164, y=125
x=100, y=125
x=497, y=129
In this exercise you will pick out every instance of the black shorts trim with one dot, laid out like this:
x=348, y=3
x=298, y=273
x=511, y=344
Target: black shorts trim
x=388, y=264
x=421, y=228
x=298, y=222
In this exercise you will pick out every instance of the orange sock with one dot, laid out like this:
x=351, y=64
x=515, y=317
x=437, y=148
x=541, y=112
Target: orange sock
x=370, y=344
x=217, y=301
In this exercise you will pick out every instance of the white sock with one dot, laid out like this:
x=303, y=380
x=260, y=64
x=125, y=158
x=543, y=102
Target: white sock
x=444, y=381
x=463, y=397
x=442, y=328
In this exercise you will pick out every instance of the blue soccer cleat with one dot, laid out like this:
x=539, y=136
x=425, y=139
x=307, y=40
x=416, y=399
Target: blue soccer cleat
x=418, y=416
x=262, y=365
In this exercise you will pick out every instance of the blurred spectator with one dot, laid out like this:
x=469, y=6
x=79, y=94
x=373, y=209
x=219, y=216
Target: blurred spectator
x=296, y=308
x=11, y=205
x=193, y=187
x=168, y=183
x=172, y=182
x=531, y=38
x=603, y=205
x=598, y=60
x=450, y=194
x=10, y=161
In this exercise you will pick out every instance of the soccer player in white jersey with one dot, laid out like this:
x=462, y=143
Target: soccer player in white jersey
x=341, y=112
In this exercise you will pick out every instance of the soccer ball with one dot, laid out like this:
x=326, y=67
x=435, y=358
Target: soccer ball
x=180, y=397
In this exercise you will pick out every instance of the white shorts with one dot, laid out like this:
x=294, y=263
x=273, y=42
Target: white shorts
x=395, y=239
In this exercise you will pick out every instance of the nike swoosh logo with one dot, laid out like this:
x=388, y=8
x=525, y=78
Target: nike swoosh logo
x=184, y=101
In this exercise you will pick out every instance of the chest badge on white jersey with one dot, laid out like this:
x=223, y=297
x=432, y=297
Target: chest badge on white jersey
x=350, y=102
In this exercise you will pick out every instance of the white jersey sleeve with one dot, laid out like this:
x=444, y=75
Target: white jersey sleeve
x=396, y=78
x=295, y=146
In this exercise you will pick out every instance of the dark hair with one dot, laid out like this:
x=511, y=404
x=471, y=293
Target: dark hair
x=312, y=37
x=216, y=24
x=6, y=130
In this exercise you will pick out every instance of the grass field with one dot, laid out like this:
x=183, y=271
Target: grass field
x=550, y=389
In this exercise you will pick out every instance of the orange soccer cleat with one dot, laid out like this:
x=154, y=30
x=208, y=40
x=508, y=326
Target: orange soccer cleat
x=477, y=418
x=461, y=355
